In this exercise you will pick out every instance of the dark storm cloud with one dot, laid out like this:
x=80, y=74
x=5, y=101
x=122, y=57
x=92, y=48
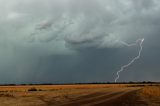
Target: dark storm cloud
x=77, y=40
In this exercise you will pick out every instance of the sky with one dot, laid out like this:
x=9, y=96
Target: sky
x=78, y=41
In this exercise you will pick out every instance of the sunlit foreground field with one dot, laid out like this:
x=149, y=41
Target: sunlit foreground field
x=81, y=95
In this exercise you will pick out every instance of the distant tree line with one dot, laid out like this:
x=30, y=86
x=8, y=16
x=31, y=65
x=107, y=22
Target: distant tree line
x=130, y=82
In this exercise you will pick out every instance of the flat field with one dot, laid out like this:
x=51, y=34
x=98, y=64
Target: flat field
x=81, y=95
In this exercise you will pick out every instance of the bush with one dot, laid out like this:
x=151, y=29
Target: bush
x=32, y=89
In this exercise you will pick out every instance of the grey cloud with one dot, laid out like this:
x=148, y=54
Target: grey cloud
x=143, y=4
x=67, y=40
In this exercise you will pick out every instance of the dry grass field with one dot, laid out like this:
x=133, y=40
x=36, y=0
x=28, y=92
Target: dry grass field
x=80, y=95
x=151, y=94
x=151, y=91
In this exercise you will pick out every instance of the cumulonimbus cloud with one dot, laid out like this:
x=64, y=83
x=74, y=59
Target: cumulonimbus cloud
x=84, y=23
x=33, y=28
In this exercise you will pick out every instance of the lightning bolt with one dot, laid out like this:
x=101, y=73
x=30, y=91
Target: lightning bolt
x=140, y=42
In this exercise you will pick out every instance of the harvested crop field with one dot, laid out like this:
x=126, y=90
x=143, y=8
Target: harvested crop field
x=80, y=95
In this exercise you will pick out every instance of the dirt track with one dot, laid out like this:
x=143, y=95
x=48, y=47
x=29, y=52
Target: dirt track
x=115, y=97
